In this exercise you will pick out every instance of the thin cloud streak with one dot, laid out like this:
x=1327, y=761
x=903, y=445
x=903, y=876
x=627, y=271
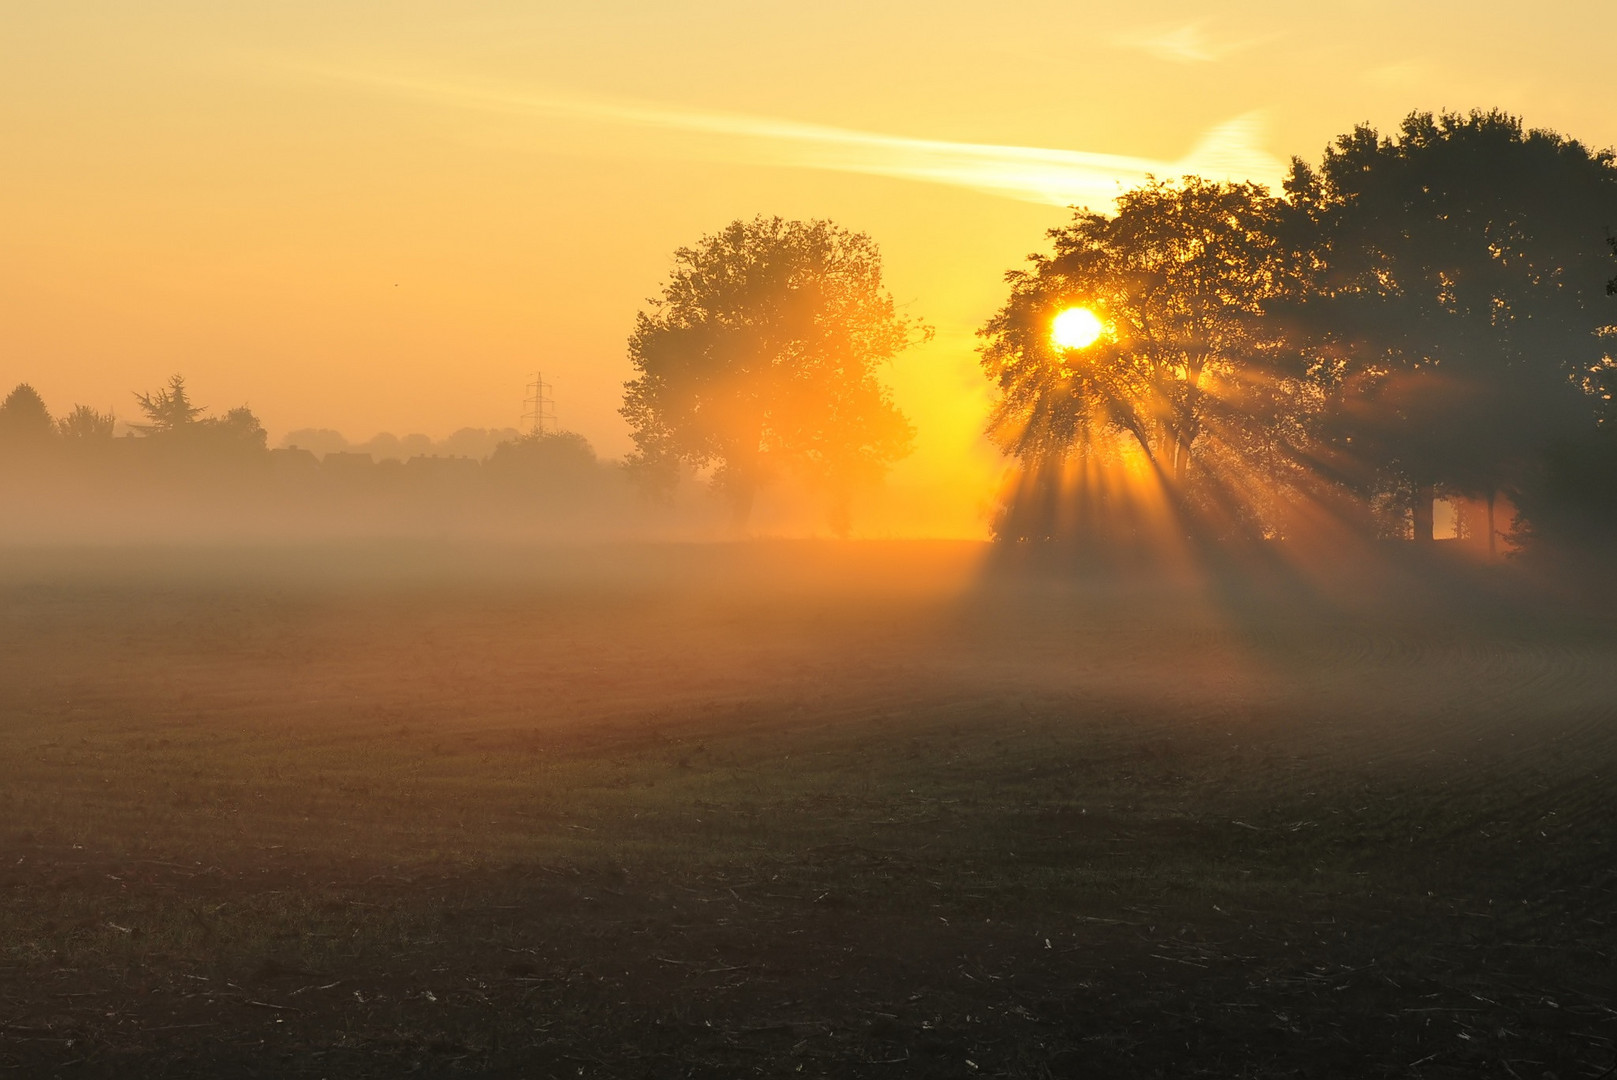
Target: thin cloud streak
x=1231, y=150
x=1186, y=44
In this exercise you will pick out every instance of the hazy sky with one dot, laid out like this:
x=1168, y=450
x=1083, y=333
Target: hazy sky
x=369, y=215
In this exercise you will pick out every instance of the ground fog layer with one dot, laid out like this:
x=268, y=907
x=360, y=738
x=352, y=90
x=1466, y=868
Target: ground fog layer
x=869, y=810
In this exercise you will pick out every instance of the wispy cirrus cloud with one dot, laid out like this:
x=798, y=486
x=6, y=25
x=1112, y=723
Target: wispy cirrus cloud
x=1184, y=43
x=1231, y=150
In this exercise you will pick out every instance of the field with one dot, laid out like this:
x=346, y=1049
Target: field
x=779, y=810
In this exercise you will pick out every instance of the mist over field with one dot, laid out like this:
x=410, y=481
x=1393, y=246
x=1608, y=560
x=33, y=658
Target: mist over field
x=1041, y=541
x=488, y=486
x=912, y=807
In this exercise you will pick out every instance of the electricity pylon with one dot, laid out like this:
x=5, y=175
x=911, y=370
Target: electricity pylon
x=540, y=407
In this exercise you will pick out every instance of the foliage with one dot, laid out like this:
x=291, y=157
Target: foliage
x=24, y=420
x=1422, y=313
x=761, y=353
x=1569, y=500
x=1457, y=305
x=237, y=429
x=563, y=463
x=168, y=408
x=1180, y=274
x=560, y=448
x=176, y=423
x=87, y=425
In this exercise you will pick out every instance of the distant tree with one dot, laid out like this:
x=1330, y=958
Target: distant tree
x=476, y=442
x=168, y=409
x=86, y=425
x=24, y=420
x=1569, y=501
x=237, y=430
x=319, y=441
x=546, y=462
x=413, y=445
x=1457, y=308
x=762, y=353
x=383, y=445
x=1178, y=278
x=176, y=425
x=557, y=448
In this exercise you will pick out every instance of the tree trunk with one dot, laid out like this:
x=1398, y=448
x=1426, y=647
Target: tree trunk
x=1188, y=424
x=741, y=493
x=1492, y=494
x=1425, y=495
x=743, y=476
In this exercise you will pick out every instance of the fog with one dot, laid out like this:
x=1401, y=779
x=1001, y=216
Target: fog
x=498, y=487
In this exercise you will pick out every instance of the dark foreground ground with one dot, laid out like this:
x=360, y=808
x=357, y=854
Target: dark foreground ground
x=783, y=811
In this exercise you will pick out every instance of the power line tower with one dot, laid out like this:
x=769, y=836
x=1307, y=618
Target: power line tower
x=540, y=407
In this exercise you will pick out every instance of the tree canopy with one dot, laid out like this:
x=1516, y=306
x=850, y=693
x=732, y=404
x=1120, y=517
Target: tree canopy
x=1458, y=297
x=1181, y=374
x=85, y=424
x=761, y=354
x=24, y=419
x=168, y=408
x=177, y=422
x=545, y=462
x=1425, y=313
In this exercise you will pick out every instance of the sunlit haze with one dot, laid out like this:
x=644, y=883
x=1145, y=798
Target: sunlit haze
x=914, y=541
x=387, y=218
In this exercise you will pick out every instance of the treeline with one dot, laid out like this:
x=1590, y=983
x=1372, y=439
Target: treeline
x=1421, y=317
x=183, y=472
x=1417, y=320
x=465, y=442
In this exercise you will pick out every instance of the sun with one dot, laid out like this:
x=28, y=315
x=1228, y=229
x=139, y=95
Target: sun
x=1076, y=328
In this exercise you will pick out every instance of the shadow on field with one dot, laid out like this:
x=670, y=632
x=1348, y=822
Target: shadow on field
x=853, y=810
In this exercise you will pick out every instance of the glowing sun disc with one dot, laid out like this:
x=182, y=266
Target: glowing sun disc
x=1076, y=328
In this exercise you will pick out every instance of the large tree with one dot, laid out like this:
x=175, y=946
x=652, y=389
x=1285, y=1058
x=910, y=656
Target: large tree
x=24, y=420
x=168, y=409
x=1458, y=309
x=1182, y=373
x=762, y=353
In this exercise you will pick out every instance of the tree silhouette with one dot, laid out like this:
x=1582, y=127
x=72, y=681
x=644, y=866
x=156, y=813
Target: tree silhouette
x=24, y=420
x=1179, y=276
x=1457, y=304
x=558, y=468
x=236, y=431
x=85, y=425
x=167, y=409
x=761, y=353
x=175, y=424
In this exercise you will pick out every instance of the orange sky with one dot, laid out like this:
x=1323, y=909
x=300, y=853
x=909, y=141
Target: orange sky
x=384, y=216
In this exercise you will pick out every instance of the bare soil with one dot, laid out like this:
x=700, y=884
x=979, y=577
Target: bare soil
x=781, y=810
